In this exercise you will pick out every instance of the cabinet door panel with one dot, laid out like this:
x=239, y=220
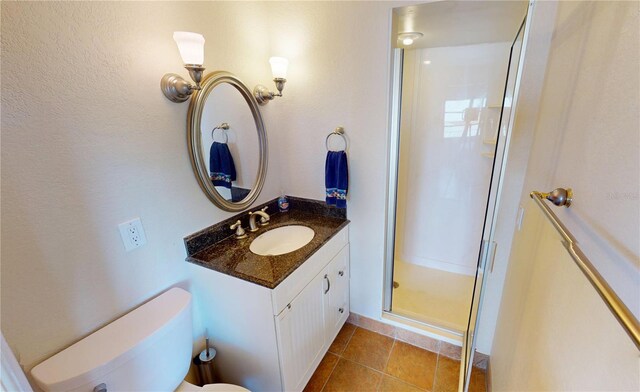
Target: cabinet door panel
x=301, y=334
x=338, y=308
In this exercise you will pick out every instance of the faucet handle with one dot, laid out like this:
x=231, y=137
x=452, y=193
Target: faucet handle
x=240, y=233
x=264, y=220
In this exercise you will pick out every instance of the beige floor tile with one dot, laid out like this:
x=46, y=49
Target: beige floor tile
x=478, y=380
x=352, y=377
x=340, y=342
x=447, y=375
x=322, y=373
x=412, y=364
x=390, y=384
x=368, y=348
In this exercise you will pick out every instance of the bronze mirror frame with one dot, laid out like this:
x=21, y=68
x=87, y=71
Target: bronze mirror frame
x=194, y=140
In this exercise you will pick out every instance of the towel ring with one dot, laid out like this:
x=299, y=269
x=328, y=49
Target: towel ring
x=223, y=127
x=340, y=132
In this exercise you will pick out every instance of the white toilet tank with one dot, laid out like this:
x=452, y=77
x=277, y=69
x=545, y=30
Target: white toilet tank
x=148, y=349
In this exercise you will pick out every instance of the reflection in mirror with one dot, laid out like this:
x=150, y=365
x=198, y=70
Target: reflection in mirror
x=230, y=155
x=227, y=142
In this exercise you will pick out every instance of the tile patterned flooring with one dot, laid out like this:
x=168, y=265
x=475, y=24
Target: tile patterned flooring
x=363, y=360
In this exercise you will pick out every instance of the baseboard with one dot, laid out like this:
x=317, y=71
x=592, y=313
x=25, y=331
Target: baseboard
x=451, y=349
x=487, y=378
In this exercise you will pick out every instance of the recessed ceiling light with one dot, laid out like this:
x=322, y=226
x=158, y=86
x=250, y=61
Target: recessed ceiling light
x=407, y=38
x=427, y=62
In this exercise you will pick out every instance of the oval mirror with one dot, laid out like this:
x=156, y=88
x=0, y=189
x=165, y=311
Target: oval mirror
x=227, y=141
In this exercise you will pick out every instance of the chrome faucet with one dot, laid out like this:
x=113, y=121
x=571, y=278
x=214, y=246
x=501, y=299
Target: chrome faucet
x=264, y=219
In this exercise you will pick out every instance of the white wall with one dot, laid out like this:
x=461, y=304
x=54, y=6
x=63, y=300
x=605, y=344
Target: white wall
x=586, y=137
x=339, y=75
x=89, y=141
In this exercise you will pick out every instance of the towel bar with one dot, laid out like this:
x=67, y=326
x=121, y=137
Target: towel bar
x=627, y=320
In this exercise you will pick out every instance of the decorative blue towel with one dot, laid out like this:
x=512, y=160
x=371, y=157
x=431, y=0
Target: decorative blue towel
x=336, y=178
x=221, y=166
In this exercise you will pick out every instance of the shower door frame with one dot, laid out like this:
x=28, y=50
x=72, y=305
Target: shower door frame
x=396, y=66
x=393, y=143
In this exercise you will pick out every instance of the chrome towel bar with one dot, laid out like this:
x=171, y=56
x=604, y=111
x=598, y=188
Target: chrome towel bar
x=562, y=197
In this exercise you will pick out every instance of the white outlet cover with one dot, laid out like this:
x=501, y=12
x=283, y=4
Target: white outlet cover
x=132, y=234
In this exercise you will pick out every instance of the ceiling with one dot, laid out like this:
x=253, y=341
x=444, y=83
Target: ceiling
x=454, y=23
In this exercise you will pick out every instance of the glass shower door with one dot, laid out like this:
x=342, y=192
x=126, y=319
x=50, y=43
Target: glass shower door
x=488, y=245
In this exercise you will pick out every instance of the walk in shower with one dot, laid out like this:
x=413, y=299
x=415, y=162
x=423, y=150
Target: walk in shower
x=453, y=87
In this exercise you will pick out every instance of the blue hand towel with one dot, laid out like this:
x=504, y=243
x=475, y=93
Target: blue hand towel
x=336, y=178
x=221, y=166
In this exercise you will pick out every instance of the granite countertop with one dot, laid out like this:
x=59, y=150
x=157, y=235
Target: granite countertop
x=232, y=256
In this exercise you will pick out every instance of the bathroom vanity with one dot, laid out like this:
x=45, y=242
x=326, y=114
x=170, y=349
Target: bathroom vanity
x=272, y=318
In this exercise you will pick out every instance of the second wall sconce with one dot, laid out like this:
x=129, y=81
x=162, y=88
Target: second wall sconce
x=191, y=47
x=279, y=70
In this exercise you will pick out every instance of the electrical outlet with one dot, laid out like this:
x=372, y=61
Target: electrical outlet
x=132, y=234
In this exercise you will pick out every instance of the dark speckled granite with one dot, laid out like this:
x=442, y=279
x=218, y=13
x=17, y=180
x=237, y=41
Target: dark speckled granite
x=217, y=248
x=316, y=207
x=216, y=233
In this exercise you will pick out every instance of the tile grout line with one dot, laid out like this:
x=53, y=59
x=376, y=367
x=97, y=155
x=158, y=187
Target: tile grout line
x=338, y=355
x=330, y=373
x=386, y=363
x=435, y=374
x=383, y=373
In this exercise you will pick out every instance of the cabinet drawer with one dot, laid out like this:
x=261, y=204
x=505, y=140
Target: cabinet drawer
x=294, y=283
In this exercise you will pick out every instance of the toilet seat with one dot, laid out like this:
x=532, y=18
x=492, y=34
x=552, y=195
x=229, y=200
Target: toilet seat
x=188, y=387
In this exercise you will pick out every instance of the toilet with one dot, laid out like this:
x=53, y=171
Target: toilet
x=148, y=349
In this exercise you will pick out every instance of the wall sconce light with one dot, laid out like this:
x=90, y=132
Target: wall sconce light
x=279, y=70
x=191, y=47
x=407, y=38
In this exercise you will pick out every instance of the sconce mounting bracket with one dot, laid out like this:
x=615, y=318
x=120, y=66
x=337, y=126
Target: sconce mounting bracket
x=175, y=88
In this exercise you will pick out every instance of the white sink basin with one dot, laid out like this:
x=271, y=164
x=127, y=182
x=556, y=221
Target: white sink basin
x=282, y=240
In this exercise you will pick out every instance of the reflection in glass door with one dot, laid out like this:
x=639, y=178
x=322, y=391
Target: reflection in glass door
x=488, y=245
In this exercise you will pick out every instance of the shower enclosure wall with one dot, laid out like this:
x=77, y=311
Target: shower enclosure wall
x=451, y=103
x=454, y=90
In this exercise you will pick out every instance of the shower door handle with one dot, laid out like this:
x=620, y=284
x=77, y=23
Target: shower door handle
x=488, y=255
x=492, y=253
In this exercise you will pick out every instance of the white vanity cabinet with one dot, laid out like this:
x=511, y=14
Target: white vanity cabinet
x=274, y=339
x=308, y=324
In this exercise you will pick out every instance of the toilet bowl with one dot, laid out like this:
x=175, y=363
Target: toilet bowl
x=147, y=349
x=188, y=387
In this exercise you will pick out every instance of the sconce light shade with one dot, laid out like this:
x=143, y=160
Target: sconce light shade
x=191, y=47
x=279, y=67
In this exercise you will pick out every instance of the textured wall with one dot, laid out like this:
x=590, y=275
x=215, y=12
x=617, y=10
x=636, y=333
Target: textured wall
x=339, y=55
x=552, y=332
x=89, y=141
